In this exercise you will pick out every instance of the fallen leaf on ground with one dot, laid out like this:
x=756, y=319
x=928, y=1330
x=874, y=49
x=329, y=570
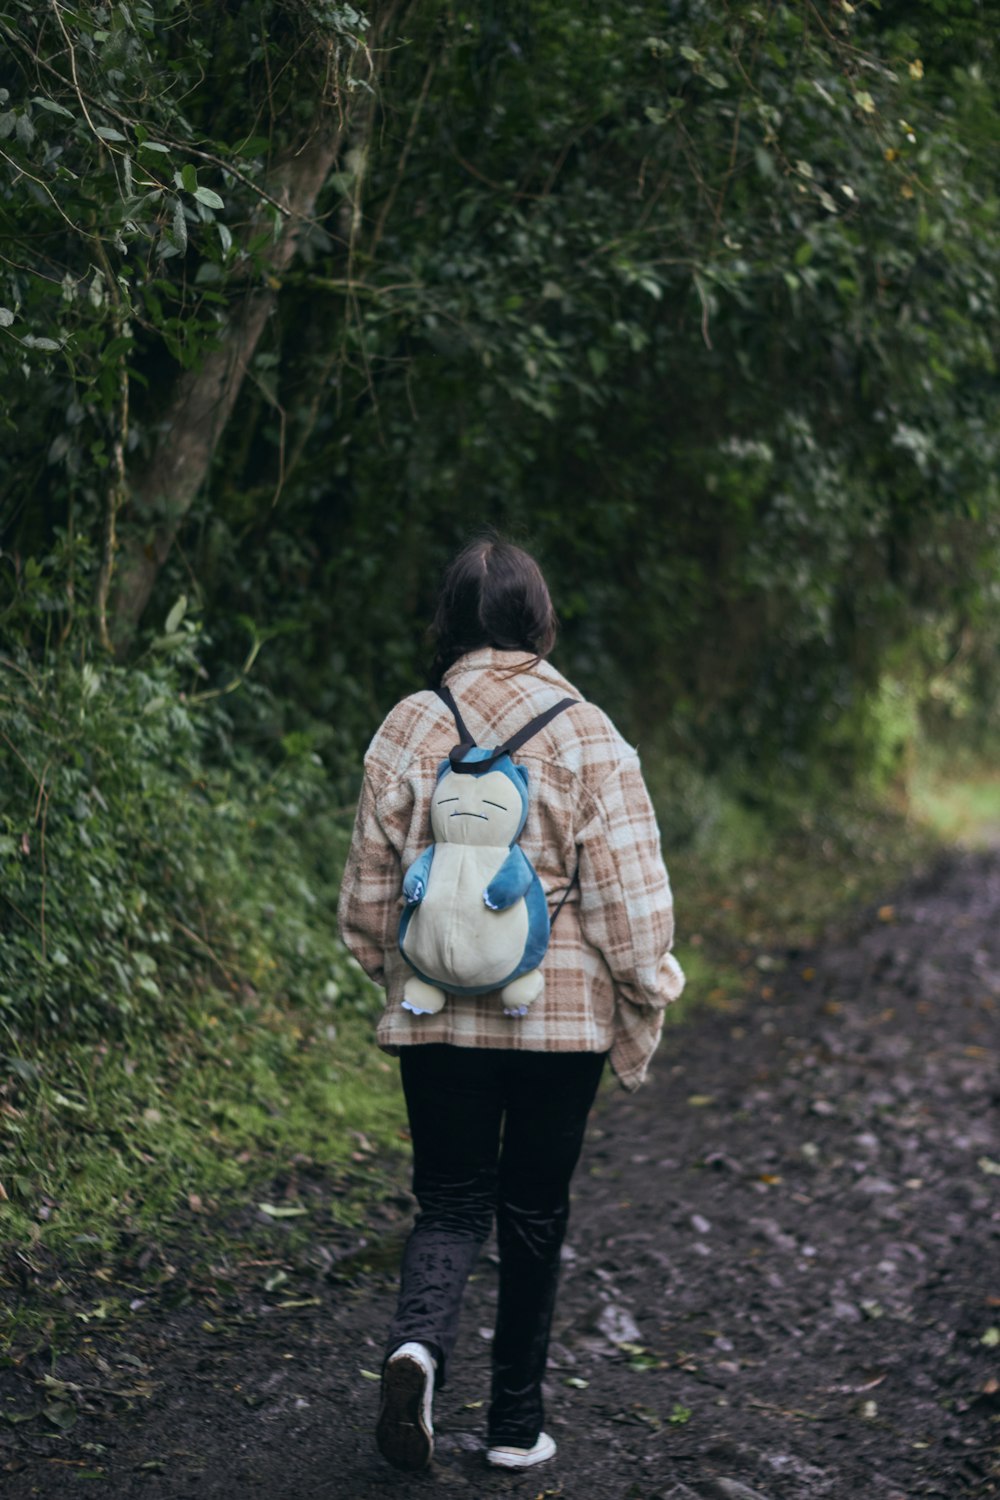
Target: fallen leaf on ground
x=61, y=1415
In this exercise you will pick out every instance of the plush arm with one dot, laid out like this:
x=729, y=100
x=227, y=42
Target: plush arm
x=417, y=876
x=510, y=882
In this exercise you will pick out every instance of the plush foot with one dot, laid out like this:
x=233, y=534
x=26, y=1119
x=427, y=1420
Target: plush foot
x=517, y=996
x=405, y=1430
x=422, y=999
x=505, y=1457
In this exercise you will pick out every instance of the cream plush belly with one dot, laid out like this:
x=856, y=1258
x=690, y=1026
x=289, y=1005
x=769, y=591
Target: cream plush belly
x=452, y=937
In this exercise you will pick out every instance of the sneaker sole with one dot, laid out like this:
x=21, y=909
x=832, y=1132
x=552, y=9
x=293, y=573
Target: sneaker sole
x=401, y=1435
x=513, y=1458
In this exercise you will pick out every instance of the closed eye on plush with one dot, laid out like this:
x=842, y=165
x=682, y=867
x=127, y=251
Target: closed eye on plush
x=442, y=800
x=494, y=804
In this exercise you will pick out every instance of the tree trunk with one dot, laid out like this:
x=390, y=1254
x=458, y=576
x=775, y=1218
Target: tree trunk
x=200, y=407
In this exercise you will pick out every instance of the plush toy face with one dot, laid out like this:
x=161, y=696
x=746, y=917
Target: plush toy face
x=483, y=810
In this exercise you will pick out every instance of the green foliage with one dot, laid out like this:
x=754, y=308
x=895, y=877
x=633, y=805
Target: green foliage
x=706, y=311
x=143, y=152
x=177, y=1013
x=145, y=858
x=119, y=161
x=707, y=316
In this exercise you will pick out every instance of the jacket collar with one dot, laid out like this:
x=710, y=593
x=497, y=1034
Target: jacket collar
x=506, y=663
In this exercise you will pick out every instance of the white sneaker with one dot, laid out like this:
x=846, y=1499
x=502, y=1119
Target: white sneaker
x=522, y=1458
x=405, y=1431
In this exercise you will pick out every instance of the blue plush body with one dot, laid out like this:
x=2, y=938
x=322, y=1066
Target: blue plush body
x=476, y=917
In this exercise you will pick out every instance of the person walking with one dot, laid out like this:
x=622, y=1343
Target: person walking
x=498, y=1094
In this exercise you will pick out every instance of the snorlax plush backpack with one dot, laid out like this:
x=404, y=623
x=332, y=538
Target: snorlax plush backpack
x=476, y=918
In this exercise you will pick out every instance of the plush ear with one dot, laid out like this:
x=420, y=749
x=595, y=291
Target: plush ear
x=522, y=772
x=444, y=766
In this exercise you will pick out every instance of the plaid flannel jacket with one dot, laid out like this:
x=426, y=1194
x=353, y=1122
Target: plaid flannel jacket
x=609, y=971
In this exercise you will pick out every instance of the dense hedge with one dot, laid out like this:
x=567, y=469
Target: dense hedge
x=145, y=858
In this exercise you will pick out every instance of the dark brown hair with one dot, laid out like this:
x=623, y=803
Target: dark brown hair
x=493, y=594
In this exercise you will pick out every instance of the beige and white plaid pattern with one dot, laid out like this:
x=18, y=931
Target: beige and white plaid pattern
x=609, y=971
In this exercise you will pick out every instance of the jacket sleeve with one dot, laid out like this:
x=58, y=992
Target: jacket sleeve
x=368, y=910
x=626, y=907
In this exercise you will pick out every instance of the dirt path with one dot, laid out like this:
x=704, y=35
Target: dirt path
x=782, y=1278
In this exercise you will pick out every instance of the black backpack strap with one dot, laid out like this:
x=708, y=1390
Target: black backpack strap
x=445, y=694
x=524, y=735
x=567, y=891
x=466, y=741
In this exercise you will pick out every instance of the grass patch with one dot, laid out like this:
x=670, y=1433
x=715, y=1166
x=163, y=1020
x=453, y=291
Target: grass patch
x=805, y=875
x=755, y=886
x=139, y=1174
x=961, y=803
x=110, y=1138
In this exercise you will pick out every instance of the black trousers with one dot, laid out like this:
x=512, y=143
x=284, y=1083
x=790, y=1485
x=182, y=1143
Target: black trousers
x=494, y=1132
